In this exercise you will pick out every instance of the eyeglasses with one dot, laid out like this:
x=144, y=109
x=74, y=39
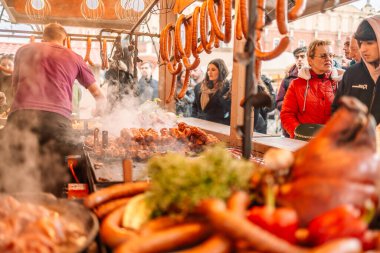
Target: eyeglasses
x=326, y=56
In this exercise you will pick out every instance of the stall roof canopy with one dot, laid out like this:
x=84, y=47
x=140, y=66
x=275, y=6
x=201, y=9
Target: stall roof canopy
x=69, y=13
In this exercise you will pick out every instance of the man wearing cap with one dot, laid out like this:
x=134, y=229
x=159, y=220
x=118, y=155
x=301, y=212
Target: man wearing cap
x=361, y=79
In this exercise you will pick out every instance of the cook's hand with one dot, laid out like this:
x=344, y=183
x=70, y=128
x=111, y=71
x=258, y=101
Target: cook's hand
x=100, y=109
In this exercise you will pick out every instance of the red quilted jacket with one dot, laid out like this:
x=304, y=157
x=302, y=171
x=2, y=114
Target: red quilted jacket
x=309, y=99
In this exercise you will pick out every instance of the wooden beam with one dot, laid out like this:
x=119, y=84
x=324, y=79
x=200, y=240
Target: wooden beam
x=143, y=16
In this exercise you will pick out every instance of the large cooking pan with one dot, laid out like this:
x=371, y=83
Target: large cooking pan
x=70, y=210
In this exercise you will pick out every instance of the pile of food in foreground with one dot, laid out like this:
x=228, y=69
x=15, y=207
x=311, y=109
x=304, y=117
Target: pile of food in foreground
x=319, y=199
x=28, y=227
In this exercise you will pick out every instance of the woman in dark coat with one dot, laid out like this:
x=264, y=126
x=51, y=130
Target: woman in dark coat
x=212, y=96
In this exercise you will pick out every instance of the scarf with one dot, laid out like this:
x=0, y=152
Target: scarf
x=206, y=93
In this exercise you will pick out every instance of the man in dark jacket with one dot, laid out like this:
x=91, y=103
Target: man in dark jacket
x=361, y=79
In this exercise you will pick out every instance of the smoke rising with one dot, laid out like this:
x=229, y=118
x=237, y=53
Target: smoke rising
x=27, y=167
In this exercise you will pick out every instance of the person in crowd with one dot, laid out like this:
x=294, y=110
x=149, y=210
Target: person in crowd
x=309, y=97
x=261, y=113
x=212, y=96
x=354, y=51
x=197, y=75
x=301, y=61
x=361, y=79
x=147, y=88
x=42, y=82
x=184, y=106
x=6, y=66
x=346, y=50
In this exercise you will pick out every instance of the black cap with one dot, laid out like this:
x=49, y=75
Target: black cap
x=365, y=32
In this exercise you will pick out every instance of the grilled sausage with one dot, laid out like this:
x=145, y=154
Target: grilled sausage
x=111, y=231
x=110, y=206
x=167, y=240
x=115, y=191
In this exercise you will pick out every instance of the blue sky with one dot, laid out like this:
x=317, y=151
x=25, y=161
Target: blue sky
x=361, y=3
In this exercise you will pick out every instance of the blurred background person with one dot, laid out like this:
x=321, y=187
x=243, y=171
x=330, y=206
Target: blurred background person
x=212, y=96
x=147, y=88
x=6, y=63
x=184, y=106
x=309, y=97
x=354, y=51
x=346, y=61
x=197, y=75
x=260, y=122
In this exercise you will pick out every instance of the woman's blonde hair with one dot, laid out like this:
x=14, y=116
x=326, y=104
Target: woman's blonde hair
x=314, y=44
x=54, y=31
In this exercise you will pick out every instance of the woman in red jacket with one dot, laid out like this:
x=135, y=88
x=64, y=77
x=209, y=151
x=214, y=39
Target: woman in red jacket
x=309, y=97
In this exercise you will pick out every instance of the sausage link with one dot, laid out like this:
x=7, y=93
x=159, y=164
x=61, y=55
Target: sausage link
x=182, y=93
x=111, y=231
x=172, y=68
x=281, y=16
x=115, y=191
x=265, y=56
x=217, y=243
x=207, y=45
x=227, y=21
x=194, y=40
x=172, y=89
x=88, y=52
x=260, y=22
x=177, y=34
x=188, y=37
x=68, y=42
x=215, y=22
x=160, y=223
x=104, y=54
x=110, y=206
x=238, y=31
x=297, y=9
x=167, y=240
x=244, y=17
x=191, y=66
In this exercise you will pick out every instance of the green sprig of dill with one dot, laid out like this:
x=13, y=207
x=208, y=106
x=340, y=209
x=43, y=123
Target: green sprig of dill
x=179, y=183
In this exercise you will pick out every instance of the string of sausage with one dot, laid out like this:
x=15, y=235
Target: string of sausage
x=68, y=42
x=88, y=51
x=104, y=54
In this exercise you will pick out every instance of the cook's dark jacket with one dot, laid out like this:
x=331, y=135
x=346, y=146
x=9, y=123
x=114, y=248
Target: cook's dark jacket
x=357, y=82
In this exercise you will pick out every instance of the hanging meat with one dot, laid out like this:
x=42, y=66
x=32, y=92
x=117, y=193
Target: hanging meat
x=339, y=166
